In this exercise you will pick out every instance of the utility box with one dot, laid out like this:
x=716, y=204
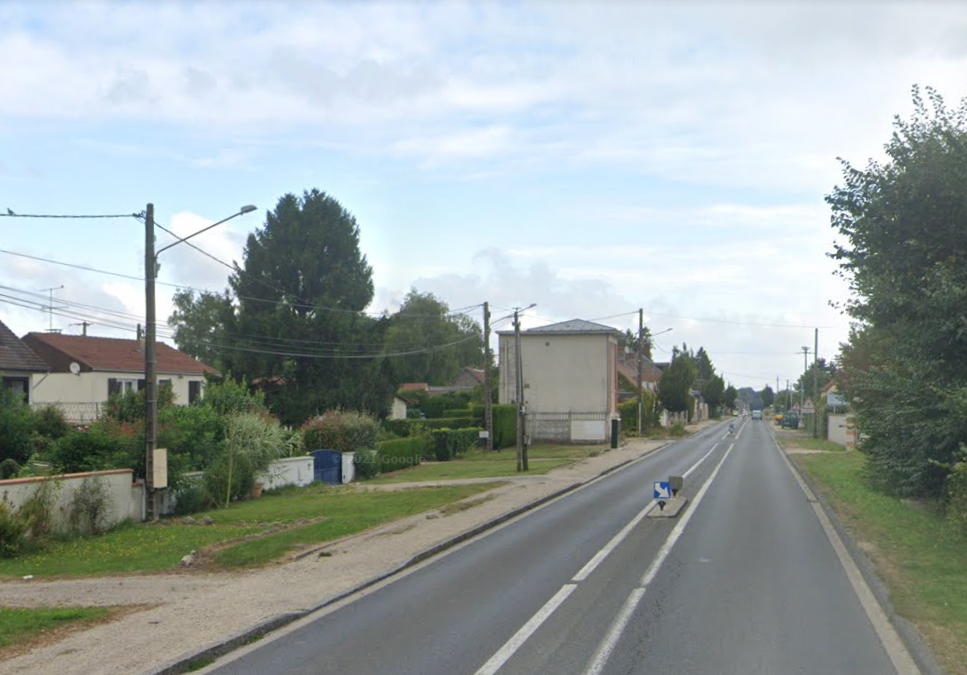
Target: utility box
x=159, y=476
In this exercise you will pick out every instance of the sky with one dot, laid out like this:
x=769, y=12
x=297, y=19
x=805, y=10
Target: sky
x=592, y=158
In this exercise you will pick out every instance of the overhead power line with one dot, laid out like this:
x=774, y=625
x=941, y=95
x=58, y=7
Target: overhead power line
x=11, y=214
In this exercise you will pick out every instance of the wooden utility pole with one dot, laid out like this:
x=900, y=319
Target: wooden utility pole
x=641, y=330
x=815, y=385
x=150, y=366
x=519, y=377
x=488, y=403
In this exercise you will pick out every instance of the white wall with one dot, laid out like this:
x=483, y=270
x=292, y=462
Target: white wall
x=398, y=411
x=288, y=471
x=562, y=373
x=125, y=497
x=81, y=396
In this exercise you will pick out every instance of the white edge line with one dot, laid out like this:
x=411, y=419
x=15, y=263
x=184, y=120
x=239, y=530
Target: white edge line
x=603, y=653
x=892, y=643
x=522, y=635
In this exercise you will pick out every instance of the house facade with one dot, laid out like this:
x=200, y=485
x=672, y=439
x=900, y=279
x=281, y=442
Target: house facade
x=18, y=363
x=84, y=371
x=570, y=380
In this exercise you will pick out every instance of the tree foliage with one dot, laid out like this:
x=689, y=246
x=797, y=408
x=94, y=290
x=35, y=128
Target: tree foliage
x=767, y=396
x=444, y=342
x=201, y=323
x=903, y=228
x=676, y=380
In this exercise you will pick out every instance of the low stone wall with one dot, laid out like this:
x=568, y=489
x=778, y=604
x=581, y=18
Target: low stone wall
x=123, y=498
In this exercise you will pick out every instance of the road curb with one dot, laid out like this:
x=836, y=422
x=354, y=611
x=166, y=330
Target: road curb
x=240, y=639
x=917, y=648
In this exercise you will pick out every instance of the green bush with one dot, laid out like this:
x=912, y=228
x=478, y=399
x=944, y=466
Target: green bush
x=400, y=428
x=505, y=423
x=192, y=497
x=102, y=446
x=252, y=442
x=629, y=414
x=9, y=469
x=957, y=495
x=367, y=463
x=49, y=421
x=456, y=412
x=342, y=430
x=15, y=427
x=194, y=435
x=450, y=443
x=400, y=453
x=227, y=396
x=12, y=531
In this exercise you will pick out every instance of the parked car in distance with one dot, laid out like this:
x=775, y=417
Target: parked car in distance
x=756, y=414
x=790, y=421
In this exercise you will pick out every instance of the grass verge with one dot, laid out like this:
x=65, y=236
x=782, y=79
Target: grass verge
x=20, y=628
x=483, y=464
x=247, y=534
x=809, y=443
x=916, y=553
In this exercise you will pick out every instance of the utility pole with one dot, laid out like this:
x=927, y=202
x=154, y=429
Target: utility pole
x=519, y=377
x=815, y=385
x=150, y=365
x=488, y=403
x=802, y=389
x=777, y=388
x=641, y=331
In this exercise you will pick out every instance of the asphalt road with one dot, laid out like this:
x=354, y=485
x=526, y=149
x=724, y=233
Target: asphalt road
x=744, y=581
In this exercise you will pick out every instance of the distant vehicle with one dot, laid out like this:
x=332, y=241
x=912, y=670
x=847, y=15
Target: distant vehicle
x=756, y=414
x=790, y=421
x=735, y=413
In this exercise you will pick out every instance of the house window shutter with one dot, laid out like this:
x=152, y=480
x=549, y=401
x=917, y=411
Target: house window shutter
x=141, y=385
x=113, y=386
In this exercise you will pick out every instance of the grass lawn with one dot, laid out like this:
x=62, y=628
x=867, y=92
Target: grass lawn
x=917, y=554
x=22, y=626
x=483, y=464
x=289, y=518
x=806, y=442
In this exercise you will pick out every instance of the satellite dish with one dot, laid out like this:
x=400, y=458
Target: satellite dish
x=75, y=368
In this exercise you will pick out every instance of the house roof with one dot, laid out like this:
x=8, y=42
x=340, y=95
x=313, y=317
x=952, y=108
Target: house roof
x=571, y=327
x=477, y=373
x=627, y=366
x=414, y=386
x=108, y=354
x=15, y=355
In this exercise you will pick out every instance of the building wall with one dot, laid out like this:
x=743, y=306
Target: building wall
x=562, y=373
x=840, y=429
x=398, y=412
x=80, y=395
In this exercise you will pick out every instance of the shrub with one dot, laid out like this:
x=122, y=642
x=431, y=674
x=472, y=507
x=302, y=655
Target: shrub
x=129, y=407
x=400, y=453
x=192, y=497
x=9, y=469
x=367, y=463
x=456, y=412
x=399, y=428
x=435, y=406
x=957, y=494
x=505, y=423
x=49, y=421
x=102, y=446
x=15, y=427
x=37, y=511
x=342, y=430
x=252, y=441
x=90, y=505
x=12, y=531
x=228, y=397
x=194, y=436
x=450, y=443
x=677, y=430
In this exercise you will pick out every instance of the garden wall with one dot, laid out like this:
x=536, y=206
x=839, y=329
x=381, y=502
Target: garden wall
x=124, y=497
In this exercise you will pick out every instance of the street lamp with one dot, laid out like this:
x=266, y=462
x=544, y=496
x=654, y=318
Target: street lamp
x=150, y=351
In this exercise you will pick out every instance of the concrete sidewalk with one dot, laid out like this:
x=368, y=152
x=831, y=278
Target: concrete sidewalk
x=187, y=615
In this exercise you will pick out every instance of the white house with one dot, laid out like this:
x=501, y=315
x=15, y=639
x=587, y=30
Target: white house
x=84, y=371
x=570, y=376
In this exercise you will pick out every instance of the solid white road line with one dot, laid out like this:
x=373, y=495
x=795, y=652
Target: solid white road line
x=895, y=648
x=521, y=636
x=605, y=649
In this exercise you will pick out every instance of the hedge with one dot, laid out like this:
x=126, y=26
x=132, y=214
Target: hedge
x=505, y=423
x=400, y=453
x=629, y=414
x=450, y=443
x=456, y=412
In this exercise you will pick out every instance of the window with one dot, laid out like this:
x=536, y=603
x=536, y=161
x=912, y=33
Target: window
x=194, y=391
x=20, y=385
x=119, y=387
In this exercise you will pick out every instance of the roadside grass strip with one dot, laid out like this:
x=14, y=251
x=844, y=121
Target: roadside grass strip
x=916, y=553
x=20, y=627
x=249, y=533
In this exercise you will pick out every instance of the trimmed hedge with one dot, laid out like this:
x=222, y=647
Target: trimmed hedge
x=629, y=414
x=450, y=443
x=399, y=428
x=400, y=453
x=456, y=412
x=505, y=423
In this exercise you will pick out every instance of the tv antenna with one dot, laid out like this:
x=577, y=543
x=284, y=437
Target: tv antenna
x=50, y=307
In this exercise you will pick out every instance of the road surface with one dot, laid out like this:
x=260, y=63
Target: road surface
x=744, y=580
